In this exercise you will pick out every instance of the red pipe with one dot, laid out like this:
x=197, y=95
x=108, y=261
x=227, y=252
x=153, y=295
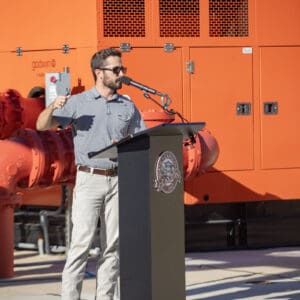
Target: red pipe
x=29, y=158
x=36, y=158
x=6, y=240
x=16, y=161
x=199, y=153
x=15, y=166
x=18, y=112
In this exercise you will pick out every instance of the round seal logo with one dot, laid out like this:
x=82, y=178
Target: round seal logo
x=167, y=173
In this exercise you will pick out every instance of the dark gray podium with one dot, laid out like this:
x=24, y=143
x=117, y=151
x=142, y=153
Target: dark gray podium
x=151, y=211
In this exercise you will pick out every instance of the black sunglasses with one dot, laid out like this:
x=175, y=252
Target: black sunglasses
x=115, y=70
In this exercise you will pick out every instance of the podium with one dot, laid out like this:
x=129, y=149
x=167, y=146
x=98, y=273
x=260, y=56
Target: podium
x=151, y=211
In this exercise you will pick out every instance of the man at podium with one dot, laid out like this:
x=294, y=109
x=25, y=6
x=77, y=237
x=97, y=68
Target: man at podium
x=99, y=117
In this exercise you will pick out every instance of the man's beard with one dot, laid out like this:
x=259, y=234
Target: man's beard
x=113, y=85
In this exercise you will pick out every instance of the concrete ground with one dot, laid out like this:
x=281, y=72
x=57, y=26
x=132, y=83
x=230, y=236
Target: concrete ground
x=222, y=275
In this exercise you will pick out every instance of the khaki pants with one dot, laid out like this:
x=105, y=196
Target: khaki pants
x=95, y=196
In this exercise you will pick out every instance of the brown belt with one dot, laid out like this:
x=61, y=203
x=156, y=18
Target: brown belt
x=106, y=172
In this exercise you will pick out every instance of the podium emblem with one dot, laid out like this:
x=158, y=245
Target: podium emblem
x=167, y=173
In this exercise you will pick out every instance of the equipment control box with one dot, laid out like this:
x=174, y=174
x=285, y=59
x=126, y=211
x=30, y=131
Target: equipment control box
x=57, y=84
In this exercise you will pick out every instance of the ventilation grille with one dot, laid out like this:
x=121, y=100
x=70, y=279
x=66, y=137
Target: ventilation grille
x=179, y=18
x=228, y=18
x=123, y=18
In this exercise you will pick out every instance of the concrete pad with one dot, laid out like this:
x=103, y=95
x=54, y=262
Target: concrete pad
x=222, y=275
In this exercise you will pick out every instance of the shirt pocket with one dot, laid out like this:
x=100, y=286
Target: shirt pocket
x=123, y=120
x=124, y=117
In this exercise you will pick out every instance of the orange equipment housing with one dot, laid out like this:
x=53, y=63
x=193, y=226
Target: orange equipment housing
x=231, y=63
x=216, y=60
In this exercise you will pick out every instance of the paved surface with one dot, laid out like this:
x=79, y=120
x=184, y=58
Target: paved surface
x=223, y=275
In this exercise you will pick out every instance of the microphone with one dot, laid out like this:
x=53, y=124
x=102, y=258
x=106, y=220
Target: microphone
x=128, y=81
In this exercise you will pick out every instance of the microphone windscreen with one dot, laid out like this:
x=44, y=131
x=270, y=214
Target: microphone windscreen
x=126, y=80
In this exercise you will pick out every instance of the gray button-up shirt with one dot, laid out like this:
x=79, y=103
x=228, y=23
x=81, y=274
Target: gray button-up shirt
x=97, y=122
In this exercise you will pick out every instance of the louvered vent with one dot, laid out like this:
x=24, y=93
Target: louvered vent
x=228, y=18
x=179, y=18
x=124, y=18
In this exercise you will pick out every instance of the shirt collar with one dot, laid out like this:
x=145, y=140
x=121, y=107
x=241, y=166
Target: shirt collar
x=97, y=95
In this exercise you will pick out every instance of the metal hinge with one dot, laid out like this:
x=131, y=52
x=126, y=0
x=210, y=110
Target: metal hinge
x=190, y=66
x=19, y=51
x=125, y=47
x=65, y=49
x=169, y=47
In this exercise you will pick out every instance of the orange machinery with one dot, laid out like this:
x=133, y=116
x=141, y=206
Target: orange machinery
x=31, y=158
x=216, y=60
x=231, y=63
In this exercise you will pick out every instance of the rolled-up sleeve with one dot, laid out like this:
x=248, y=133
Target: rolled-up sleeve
x=65, y=115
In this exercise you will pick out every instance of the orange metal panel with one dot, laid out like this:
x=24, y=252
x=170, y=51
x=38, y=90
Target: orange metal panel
x=36, y=24
x=127, y=21
x=184, y=23
x=280, y=80
x=222, y=78
x=157, y=69
x=27, y=71
x=244, y=186
x=278, y=22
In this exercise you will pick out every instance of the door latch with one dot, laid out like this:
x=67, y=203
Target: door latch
x=271, y=108
x=243, y=108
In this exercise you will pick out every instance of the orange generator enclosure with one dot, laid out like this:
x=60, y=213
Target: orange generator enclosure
x=231, y=63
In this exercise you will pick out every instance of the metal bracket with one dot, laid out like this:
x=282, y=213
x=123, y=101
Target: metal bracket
x=19, y=51
x=243, y=108
x=125, y=47
x=169, y=47
x=65, y=49
x=271, y=108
